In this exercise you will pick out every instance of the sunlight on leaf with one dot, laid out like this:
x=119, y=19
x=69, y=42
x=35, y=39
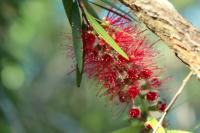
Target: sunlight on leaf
x=153, y=122
x=177, y=131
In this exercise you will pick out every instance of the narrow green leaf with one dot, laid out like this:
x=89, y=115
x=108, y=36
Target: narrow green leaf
x=135, y=127
x=78, y=76
x=131, y=129
x=90, y=9
x=102, y=33
x=68, y=8
x=108, y=2
x=177, y=131
x=77, y=40
x=103, y=7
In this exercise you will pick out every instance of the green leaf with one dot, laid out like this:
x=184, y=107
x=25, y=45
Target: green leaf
x=131, y=129
x=177, y=131
x=135, y=127
x=78, y=76
x=90, y=9
x=108, y=2
x=77, y=40
x=68, y=8
x=102, y=33
x=103, y=7
x=73, y=14
x=153, y=122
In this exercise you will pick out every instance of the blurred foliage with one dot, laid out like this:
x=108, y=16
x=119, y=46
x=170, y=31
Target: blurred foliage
x=9, y=11
x=180, y=5
x=37, y=95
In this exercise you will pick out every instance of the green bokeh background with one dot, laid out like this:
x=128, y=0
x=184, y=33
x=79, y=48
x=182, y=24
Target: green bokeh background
x=39, y=95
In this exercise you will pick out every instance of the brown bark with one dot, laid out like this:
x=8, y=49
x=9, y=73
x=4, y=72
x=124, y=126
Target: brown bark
x=162, y=18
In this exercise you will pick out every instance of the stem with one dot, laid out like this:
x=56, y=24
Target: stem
x=173, y=101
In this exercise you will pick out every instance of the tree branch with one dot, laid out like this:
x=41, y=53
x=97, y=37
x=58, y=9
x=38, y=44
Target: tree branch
x=162, y=18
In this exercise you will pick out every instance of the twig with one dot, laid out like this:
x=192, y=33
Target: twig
x=173, y=101
x=155, y=42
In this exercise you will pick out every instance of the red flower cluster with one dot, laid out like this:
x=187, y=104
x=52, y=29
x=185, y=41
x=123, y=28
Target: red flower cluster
x=122, y=79
x=134, y=113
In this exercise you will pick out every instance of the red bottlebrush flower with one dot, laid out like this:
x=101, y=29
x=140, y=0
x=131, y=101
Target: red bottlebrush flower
x=121, y=78
x=155, y=82
x=107, y=58
x=162, y=106
x=133, y=74
x=122, y=97
x=146, y=73
x=148, y=126
x=151, y=96
x=122, y=59
x=88, y=40
x=113, y=91
x=134, y=112
x=133, y=92
x=138, y=55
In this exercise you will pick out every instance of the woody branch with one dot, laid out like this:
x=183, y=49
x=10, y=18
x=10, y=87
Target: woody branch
x=162, y=18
